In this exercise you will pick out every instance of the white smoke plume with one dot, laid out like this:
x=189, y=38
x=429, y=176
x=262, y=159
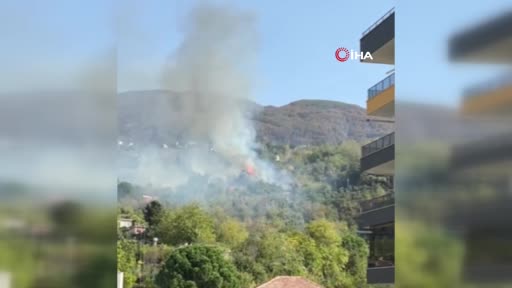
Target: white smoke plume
x=209, y=69
x=210, y=79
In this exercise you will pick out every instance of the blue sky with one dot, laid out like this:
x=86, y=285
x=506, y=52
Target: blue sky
x=51, y=40
x=47, y=44
x=298, y=40
x=296, y=52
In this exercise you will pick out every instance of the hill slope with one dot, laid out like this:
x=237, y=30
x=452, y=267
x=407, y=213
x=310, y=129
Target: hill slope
x=147, y=117
x=314, y=122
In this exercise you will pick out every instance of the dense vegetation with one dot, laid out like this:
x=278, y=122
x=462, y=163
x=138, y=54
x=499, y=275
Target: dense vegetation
x=198, y=266
x=264, y=230
x=316, y=122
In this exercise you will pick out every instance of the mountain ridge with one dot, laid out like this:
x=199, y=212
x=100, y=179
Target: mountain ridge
x=145, y=116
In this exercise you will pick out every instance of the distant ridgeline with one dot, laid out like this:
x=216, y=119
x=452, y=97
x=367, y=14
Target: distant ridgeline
x=146, y=117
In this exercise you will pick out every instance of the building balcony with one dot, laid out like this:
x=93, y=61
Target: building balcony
x=381, y=98
x=377, y=202
x=489, y=42
x=377, y=211
x=376, y=222
x=493, y=97
x=489, y=157
x=380, y=275
x=379, y=40
x=378, y=157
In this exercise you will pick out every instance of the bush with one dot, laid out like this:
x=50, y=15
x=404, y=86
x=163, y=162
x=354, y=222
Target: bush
x=189, y=224
x=198, y=266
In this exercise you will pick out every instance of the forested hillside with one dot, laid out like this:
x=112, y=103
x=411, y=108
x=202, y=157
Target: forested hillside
x=306, y=228
x=316, y=122
x=148, y=117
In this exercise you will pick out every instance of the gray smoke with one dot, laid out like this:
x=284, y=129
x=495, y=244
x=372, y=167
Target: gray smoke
x=209, y=70
x=209, y=76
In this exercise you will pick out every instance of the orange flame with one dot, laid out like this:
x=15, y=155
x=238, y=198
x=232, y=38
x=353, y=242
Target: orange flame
x=249, y=169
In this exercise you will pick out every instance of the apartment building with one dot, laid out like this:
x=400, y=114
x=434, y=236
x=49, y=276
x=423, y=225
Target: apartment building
x=487, y=160
x=377, y=217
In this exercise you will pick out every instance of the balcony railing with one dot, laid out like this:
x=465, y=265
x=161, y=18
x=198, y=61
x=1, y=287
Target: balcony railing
x=386, y=261
x=378, y=144
x=381, y=86
x=381, y=201
x=502, y=81
x=378, y=21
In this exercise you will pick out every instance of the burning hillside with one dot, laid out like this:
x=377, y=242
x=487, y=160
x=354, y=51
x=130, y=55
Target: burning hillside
x=210, y=71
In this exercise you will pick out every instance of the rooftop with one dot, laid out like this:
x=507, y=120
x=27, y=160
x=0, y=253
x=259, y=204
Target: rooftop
x=289, y=282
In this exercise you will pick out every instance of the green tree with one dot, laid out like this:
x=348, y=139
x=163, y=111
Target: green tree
x=327, y=258
x=231, y=232
x=153, y=213
x=187, y=225
x=198, y=266
x=323, y=232
x=127, y=261
x=278, y=257
x=358, y=258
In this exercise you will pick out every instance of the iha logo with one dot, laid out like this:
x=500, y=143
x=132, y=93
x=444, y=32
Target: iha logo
x=342, y=54
x=344, y=51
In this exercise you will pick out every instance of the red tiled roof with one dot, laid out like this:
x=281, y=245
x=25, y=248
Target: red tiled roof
x=289, y=282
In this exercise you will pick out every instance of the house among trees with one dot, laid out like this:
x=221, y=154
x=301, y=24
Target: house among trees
x=138, y=229
x=290, y=282
x=131, y=225
x=125, y=222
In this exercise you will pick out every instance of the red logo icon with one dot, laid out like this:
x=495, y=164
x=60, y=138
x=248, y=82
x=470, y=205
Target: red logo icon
x=340, y=50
